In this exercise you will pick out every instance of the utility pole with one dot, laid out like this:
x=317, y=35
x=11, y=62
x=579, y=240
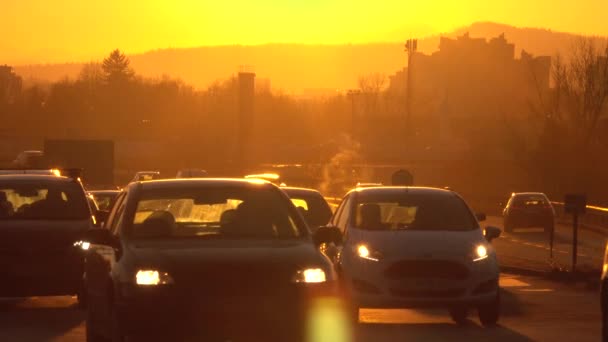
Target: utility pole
x=352, y=94
x=411, y=46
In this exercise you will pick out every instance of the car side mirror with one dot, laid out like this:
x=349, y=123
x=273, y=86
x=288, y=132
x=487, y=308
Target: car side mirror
x=99, y=236
x=492, y=233
x=327, y=234
x=481, y=217
x=101, y=216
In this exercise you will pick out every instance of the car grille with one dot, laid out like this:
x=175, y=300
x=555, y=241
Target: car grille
x=438, y=269
x=234, y=280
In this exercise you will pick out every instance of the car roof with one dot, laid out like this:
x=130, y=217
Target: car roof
x=379, y=190
x=300, y=191
x=515, y=194
x=103, y=192
x=34, y=177
x=208, y=182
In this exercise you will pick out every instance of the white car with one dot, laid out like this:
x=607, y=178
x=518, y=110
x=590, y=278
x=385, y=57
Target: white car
x=411, y=247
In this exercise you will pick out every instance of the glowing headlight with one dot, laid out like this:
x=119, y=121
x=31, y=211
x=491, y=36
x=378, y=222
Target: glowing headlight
x=84, y=245
x=310, y=275
x=481, y=252
x=364, y=252
x=152, y=277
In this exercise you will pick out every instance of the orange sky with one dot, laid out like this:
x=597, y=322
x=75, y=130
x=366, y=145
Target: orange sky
x=41, y=31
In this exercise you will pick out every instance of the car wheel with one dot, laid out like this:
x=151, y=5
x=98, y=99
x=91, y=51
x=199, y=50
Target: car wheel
x=91, y=329
x=604, y=326
x=489, y=312
x=116, y=330
x=81, y=298
x=459, y=315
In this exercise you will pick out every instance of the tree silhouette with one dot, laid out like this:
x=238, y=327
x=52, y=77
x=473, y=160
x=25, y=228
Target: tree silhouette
x=116, y=68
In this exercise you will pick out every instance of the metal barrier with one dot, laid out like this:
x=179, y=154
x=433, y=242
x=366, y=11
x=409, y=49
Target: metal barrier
x=594, y=218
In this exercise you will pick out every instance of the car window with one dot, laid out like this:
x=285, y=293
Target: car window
x=42, y=200
x=531, y=201
x=413, y=212
x=314, y=207
x=345, y=215
x=104, y=201
x=338, y=213
x=114, y=210
x=230, y=212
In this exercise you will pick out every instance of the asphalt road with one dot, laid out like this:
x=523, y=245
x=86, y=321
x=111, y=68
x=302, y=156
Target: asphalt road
x=530, y=248
x=533, y=310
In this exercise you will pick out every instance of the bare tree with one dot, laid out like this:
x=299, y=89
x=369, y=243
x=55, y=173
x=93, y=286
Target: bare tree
x=371, y=86
x=580, y=94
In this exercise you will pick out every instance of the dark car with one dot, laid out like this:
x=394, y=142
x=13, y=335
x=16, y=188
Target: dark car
x=104, y=198
x=190, y=257
x=191, y=173
x=311, y=204
x=42, y=218
x=527, y=210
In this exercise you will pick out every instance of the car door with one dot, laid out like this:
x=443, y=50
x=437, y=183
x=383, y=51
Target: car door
x=99, y=262
x=340, y=220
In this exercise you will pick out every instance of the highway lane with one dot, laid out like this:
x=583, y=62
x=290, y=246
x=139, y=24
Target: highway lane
x=533, y=310
x=529, y=248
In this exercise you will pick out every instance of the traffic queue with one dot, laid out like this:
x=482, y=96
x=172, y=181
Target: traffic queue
x=193, y=256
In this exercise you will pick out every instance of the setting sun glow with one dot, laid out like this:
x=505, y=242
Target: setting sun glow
x=74, y=30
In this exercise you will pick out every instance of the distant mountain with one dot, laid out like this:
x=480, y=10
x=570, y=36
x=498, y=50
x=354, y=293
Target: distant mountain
x=296, y=68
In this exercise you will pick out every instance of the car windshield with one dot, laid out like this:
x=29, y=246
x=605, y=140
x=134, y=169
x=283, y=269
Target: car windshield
x=104, y=200
x=231, y=212
x=413, y=212
x=530, y=201
x=36, y=200
x=313, y=207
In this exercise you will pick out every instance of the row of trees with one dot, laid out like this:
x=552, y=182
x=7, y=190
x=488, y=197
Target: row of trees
x=560, y=144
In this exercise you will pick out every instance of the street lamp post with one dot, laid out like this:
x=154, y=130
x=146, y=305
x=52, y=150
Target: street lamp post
x=411, y=46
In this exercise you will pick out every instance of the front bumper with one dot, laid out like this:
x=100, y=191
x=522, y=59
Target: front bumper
x=168, y=308
x=369, y=287
x=41, y=276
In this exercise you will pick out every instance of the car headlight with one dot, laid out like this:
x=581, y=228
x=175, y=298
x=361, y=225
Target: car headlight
x=365, y=252
x=481, y=253
x=310, y=275
x=152, y=277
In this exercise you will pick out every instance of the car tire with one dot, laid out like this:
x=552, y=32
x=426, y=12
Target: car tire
x=459, y=315
x=604, y=326
x=81, y=298
x=116, y=331
x=91, y=330
x=490, y=312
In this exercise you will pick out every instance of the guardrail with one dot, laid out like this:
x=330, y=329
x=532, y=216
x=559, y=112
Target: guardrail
x=594, y=218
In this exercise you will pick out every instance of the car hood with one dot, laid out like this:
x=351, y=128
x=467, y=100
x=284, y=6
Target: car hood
x=221, y=257
x=39, y=234
x=419, y=244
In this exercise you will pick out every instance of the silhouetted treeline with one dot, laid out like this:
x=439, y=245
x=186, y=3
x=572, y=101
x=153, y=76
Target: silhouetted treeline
x=555, y=142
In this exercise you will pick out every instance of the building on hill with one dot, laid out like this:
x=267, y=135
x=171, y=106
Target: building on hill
x=468, y=83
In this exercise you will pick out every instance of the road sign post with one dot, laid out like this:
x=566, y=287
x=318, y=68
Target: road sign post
x=575, y=204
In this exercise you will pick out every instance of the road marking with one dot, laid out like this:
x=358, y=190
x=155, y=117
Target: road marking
x=512, y=282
